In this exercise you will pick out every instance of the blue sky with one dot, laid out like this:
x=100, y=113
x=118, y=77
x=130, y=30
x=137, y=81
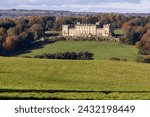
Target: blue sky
x=137, y=6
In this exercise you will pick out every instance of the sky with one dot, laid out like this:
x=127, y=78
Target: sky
x=121, y=6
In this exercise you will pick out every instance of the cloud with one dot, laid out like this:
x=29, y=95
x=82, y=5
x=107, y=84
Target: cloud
x=80, y=5
x=63, y=2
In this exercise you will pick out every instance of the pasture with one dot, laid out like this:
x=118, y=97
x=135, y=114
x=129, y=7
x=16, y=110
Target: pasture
x=27, y=78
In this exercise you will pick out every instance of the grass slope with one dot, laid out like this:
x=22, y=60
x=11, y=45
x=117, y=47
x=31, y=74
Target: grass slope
x=102, y=50
x=22, y=78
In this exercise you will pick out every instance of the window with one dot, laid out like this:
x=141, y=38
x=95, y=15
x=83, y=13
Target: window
x=106, y=32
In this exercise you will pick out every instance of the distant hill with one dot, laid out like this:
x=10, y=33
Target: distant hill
x=14, y=13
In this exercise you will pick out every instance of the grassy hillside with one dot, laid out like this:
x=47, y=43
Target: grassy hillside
x=102, y=50
x=22, y=78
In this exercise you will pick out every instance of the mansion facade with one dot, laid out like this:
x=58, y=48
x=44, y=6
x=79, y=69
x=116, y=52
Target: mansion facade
x=86, y=30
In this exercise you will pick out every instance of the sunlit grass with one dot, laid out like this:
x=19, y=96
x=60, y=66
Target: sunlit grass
x=65, y=79
x=101, y=50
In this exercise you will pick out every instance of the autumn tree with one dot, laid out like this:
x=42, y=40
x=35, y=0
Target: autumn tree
x=133, y=31
x=144, y=44
x=2, y=37
x=7, y=23
x=22, y=24
x=49, y=22
x=26, y=38
x=37, y=31
x=13, y=31
x=10, y=43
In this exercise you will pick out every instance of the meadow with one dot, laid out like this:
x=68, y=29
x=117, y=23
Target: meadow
x=28, y=78
x=102, y=50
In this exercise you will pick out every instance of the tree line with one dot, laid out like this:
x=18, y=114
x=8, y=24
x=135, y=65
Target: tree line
x=21, y=32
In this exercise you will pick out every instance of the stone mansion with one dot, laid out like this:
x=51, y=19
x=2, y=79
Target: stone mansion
x=86, y=30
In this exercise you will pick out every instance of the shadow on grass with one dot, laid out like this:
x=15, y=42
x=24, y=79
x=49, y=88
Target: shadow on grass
x=54, y=91
x=28, y=98
x=33, y=46
x=3, y=72
x=64, y=91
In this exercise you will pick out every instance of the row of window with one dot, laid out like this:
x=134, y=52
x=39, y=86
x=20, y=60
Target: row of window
x=86, y=28
x=85, y=32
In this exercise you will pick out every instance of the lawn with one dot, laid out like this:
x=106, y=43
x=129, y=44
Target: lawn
x=102, y=50
x=118, y=32
x=26, y=78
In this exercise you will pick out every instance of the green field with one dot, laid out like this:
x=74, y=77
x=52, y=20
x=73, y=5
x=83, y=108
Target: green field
x=102, y=50
x=118, y=32
x=27, y=78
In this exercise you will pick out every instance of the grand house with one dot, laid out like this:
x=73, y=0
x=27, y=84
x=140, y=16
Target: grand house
x=86, y=30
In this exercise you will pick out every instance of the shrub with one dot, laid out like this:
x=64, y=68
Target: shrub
x=143, y=59
x=67, y=55
x=118, y=59
x=80, y=38
x=115, y=59
x=27, y=57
